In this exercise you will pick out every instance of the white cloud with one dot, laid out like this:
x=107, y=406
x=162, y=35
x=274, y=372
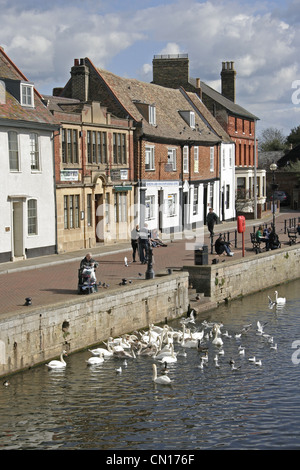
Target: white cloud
x=43, y=39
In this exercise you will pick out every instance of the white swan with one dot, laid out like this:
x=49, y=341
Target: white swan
x=217, y=340
x=279, y=300
x=106, y=352
x=58, y=364
x=162, y=379
x=171, y=357
x=95, y=360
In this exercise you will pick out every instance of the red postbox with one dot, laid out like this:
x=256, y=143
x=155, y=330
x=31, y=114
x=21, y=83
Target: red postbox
x=241, y=224
x=241, y=227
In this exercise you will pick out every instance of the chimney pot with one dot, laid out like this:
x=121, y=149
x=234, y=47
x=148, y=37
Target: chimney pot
x=76, y=62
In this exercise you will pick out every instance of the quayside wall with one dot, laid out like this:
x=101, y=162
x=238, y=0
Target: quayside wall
x=38, y=334
x=227, y=281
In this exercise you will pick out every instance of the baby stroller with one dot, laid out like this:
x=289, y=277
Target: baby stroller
x=86, y=282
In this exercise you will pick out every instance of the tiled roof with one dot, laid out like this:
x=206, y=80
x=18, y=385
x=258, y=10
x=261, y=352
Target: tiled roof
x=208, y=117
x=231, y=107
x=132, y=93
x=11, y=109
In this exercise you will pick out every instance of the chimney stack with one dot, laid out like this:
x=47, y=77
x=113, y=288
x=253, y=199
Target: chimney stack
x=80, y=80
x=228, y=74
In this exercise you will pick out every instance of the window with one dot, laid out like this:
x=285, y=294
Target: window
x=192, y=119
x=172, y=158
x=185, y=159
x=195, y=201
x=212, y=158
x=152, y=115
x=120, y=207
x=149, y=207
x=230, y=157
x=149, y=158
x=71, y=211
x=27, y=95
x=227, y=196
x=119, y=148
x=34, y=152
x=211, y=195
x=89, y=209
x=13, y=151
x=196, y=159
x=32, y=216
x=96, y=147
x=69, y=146
x=223, y=159
x=107, y=219
x=172, y=198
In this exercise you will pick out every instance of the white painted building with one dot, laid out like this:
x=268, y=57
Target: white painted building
x=27, y=196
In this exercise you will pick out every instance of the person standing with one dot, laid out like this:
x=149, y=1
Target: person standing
x=135, y=235
x=144, y=244
x=211, y=219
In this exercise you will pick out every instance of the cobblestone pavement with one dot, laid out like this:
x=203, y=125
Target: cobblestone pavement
x=53, y=279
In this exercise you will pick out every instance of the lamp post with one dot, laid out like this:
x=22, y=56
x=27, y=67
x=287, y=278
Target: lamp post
x=273, y=168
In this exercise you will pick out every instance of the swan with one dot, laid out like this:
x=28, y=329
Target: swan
x=58, y=364
x=252, y=359
x=163, y=379
x=217, y=340
x=106, y=352
x=258, y=363
x=274, y=347
x=279, y=300
x=95, y=360
x=169, y=357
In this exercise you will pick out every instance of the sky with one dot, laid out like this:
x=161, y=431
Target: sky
x=262, y=38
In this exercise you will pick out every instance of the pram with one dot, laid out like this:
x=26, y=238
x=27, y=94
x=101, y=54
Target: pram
x=86, y=282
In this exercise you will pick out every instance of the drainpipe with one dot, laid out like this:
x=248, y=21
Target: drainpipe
x=255, y=174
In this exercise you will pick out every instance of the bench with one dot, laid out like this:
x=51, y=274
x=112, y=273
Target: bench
x=255, y=243
x=292, y=234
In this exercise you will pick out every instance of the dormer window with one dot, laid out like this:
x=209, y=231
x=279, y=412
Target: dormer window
x=152, y=115
x=26, y=95
x=189, y=117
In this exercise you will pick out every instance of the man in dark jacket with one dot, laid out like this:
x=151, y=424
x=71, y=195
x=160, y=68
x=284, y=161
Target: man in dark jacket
x=211, y=219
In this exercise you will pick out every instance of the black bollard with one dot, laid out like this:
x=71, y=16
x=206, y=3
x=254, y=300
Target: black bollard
x=150, y=273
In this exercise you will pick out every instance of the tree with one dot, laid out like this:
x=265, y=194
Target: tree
x=294, y=136
x=272, y=139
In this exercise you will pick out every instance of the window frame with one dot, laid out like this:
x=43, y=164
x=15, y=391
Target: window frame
x=212, y=159
x=32, y=220
x=150, y=155
x=196, y=159
x=35, y=160
x=172, y=156
x=11, y=151
x=185, y=159
x=26, y=99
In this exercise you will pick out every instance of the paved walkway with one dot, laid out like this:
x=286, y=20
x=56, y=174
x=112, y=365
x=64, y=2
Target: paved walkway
x=53, y=279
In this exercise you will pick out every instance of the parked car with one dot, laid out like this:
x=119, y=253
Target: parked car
x=281, y=196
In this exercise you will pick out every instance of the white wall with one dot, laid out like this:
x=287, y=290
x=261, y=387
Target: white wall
x=27, y=184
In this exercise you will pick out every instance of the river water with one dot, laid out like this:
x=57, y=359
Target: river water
x=253, y=407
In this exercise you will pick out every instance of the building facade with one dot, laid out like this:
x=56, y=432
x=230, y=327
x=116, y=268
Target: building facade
x=93, y=157
x=27, y=197
x=175, y=170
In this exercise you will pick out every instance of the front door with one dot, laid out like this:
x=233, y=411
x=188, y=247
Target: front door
x=99, y=212
x=17, y=217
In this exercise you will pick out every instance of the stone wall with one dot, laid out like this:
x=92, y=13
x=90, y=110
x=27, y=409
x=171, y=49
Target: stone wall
x=226, y=281
x=36, y=335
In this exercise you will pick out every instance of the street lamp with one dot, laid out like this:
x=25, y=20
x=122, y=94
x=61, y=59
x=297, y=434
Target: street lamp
x=273, y=168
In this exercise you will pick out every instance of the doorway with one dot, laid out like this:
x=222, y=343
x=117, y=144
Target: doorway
x=17, y=218
x=99, y=213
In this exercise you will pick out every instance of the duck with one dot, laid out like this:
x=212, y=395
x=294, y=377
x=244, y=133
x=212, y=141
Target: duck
x=61, y=364
x=162, y=379
x=95, y=360
x=6, y=383
x=279, y=300
x=165, y=369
